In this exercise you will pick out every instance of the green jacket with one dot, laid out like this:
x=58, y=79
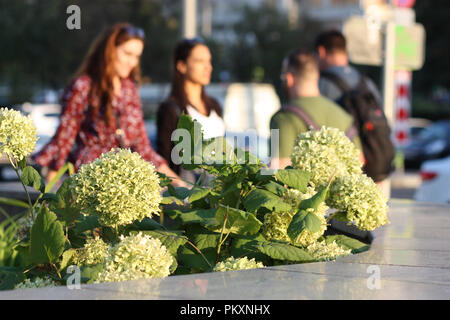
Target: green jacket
x=323, y=112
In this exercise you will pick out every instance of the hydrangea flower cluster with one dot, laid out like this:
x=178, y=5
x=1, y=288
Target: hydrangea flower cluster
x=361, y=199
x=276, y=223
x=17, y=134
x=25, y=224
x=237, y=264
x=94, y=252
x=323, y=152
x=36, y=283
x=137, y=256
x=328, y=149
x=119, y=186
x=321, y=250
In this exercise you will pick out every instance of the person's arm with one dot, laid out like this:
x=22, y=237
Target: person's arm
x=287, y=132
x=280, y=163
x=74, y=104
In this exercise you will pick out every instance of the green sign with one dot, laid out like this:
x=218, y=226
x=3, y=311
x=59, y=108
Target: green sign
x=409, y=47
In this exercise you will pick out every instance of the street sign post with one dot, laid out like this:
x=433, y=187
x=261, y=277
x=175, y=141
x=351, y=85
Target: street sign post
x=388, y=36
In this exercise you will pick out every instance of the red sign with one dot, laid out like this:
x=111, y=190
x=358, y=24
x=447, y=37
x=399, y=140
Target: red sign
x=403, y=3
x=402, y=107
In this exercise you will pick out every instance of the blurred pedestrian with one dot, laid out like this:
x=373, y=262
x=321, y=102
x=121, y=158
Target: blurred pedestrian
x=359, y=96
x=306, y=107
x=191, y=73
x=101, y=108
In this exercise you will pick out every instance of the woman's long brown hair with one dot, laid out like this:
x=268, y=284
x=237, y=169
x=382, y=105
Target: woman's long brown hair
x=98, y=65
x=178, y=94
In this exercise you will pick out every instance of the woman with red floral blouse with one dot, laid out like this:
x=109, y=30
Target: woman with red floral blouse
x=101, y=108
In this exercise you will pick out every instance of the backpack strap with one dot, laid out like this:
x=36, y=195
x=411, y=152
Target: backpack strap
x=335, y=79
x=350, y=133
x=302, y=114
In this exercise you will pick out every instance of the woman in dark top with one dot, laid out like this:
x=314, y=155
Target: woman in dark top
x=192, y=71
x=101, y=108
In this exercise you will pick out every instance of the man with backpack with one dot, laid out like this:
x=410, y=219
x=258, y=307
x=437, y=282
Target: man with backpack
x=306, y=107
x=359, y=96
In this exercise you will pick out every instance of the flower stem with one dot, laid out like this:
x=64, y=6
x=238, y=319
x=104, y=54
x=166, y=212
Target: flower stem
x=199, y=251
x=16, y=169
x=221, y=235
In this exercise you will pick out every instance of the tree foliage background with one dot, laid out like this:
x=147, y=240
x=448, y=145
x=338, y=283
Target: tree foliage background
x=38, y=51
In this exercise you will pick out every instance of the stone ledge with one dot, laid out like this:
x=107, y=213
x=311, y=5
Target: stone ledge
x=412, y=265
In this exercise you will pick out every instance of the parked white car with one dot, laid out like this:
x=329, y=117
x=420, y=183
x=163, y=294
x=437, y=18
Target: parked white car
x=435, y=185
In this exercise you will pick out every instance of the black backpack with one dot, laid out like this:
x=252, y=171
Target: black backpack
x=372, y=125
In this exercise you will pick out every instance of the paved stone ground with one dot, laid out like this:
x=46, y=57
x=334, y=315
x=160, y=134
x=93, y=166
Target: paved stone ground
x=410, y=257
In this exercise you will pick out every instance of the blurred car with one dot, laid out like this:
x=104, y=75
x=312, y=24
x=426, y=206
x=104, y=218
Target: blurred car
x=435, y=185
x=417, y=125
x=431, y=143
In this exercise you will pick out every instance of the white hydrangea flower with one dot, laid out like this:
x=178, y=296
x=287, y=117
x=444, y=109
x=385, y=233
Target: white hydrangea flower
x=17, y=134
x=25, y=224
x=120, y=187
x=321, y=250
x=324, y=152
x=276, y=223
x=329, y=151
x=237, y=264
x=361, y=199
x=36, y=283
x=94, y=252
x=137, y=256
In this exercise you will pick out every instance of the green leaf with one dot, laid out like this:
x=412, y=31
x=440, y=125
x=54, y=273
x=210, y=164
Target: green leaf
x=86, y=223
x=189, y=257
x=281, y=251
x=206, y=240
x=49, y=197
x=90, y=273
x=315, y=200
x=22, y=163
x=14, y=202
x=23, y=254
x=164, y=180
x=294, y=178
x=172, y=240
x=32, y=178
x=179, y=192
x=198, y=193
x=173, y=266
x=205, y=217
x=9, y=277
x=47, y=238
x=275, y=188
x=196, y=138
x=146, y=224
x=238, y=221
x=170, y=200
x=65, y=204
x=242, y=246
x=303, y=220
x=67, y=167
x=262, y=198
x=67, y=258
x=348, y=243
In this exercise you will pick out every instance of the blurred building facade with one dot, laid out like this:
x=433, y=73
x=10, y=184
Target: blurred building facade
x=216, y=18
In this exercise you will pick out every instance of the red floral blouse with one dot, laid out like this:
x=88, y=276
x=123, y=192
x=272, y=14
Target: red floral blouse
x=79, y=139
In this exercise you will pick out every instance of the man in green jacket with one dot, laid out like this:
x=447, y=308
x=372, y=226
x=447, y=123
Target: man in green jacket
x=300, y=75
